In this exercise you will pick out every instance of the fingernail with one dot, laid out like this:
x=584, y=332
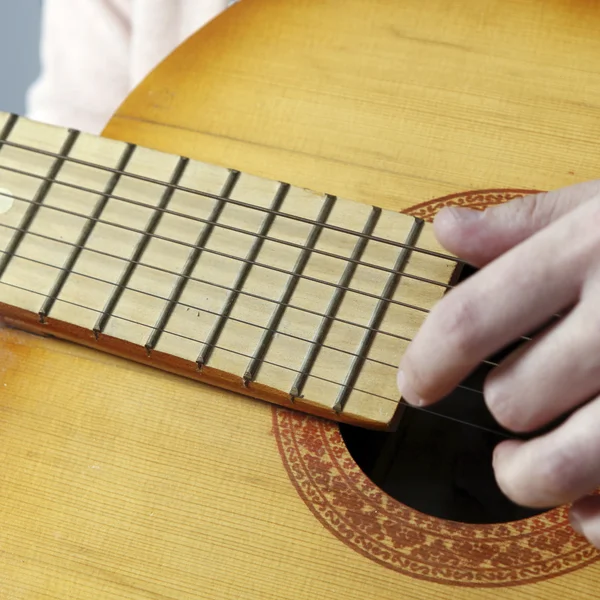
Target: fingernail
x=464, y=215
x=407, y=391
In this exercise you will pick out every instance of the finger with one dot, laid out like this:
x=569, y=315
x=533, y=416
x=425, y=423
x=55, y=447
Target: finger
x=512, y=296
x=556, y=468
x=548, y=376
x=585, y=518
x=481, y=236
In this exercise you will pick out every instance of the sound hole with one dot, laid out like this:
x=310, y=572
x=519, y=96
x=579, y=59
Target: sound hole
x=437, y=464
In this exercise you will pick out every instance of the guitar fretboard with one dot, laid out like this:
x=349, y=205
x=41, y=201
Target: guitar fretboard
x=280, y=293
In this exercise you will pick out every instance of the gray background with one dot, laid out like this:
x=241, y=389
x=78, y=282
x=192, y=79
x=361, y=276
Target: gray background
x=19, y=51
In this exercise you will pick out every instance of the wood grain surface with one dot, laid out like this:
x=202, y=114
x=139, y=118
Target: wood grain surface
x=118, y=481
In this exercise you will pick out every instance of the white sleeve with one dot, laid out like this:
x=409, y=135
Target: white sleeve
x=85, y=63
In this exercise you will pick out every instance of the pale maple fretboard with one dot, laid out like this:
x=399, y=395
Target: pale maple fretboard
x=313, y=311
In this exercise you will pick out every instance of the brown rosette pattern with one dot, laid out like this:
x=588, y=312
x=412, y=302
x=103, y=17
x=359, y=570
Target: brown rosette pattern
x=382, y=529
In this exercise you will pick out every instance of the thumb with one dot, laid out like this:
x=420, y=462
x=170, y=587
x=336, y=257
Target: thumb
x=480, y=236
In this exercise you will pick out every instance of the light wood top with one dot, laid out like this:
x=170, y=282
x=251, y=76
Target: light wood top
x=384, y=102
x=121, y=482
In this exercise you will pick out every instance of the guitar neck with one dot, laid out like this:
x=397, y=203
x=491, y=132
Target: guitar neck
x=280, y=293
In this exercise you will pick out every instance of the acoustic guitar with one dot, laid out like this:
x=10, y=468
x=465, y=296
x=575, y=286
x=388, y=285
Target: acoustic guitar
x=206, y=305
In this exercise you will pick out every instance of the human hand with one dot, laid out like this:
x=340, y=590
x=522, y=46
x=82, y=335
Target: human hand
x=539, y=256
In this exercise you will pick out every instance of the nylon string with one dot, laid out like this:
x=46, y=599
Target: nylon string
x=277, y=365
x=232, y=257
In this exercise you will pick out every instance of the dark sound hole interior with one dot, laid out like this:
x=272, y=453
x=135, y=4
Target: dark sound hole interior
x=436, y=464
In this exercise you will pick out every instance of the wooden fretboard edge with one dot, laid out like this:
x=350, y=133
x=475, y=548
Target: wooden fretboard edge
x=29, y=322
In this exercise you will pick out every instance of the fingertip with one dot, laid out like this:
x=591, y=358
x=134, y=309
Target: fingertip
x=450, y=222
x=406, y=390
x=505, y=469
x=459, y=230
x=504, y=452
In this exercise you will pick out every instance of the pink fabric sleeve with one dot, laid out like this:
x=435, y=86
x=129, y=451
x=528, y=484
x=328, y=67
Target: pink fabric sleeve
x=85, y=53
x=95, y=51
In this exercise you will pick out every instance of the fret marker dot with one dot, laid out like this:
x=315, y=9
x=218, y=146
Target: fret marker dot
x=6, y=200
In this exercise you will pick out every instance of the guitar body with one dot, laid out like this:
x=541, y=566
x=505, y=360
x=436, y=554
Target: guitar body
x=121, y=481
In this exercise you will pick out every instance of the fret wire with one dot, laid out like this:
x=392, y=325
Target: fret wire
x=85, y=233
x=13, y=119
x=225, y=255
x=333, y=307
x=206, y=353
x=220, y=225
x=191, y=263
x=38, y=200
x=7, y=129
x=217, y=314
x=240, y=203
x=376, y=319
x=140, y=248
x=184, y=305
x=209, y=283
x=198, y=280
x=267, y=337
x=318, y=377
x=185, y=337
x=373, y=394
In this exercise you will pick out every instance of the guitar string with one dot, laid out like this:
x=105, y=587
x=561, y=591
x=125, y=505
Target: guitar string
x=194, y=279
x=212, y=284
x=276, y=240
x=216, y=223
x=254, y=263
x=222, y=254
x=168, y=185
x=276, y=365
x=129, y=288
x=235, y=229
x=206, y=311
x=457, y=420
x=95, y=192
